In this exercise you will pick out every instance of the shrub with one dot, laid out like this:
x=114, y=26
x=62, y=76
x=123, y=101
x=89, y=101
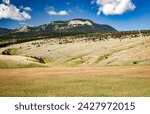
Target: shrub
x=11, y=51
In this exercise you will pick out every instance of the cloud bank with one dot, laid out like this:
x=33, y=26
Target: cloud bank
x=51, y=11
x=26, y=8
x=61, y=13
x=10, y=11
x=6, y=1
x=114, y=7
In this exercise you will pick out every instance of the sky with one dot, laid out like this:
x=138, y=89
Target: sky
x=123, y=15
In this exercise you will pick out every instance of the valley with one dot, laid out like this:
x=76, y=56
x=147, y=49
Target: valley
x=37, y=62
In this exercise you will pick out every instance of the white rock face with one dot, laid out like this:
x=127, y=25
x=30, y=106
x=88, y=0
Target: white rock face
x=24, y=29
x=79, y=22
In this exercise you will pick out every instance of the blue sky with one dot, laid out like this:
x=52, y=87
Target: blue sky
x=122, y=15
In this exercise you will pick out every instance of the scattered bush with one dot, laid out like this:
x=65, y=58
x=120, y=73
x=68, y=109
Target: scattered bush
x=135, y=62
x=11, y=51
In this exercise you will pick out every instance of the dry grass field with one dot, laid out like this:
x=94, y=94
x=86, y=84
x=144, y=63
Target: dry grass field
x=80, y=52
x=111, y=67
x=76, y=81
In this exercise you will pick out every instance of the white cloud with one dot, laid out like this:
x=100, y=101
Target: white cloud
x=10, y=11
x=6, y=1
x=61, y=13
x=114, y=7
x=68, y=3
x=25, y=8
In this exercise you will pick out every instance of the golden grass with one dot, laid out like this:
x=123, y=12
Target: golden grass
x=76, y=81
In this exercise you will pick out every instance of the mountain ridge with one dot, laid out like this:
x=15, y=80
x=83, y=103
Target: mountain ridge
x=74, y=25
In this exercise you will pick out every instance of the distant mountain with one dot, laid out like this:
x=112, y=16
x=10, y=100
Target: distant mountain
x=5, y=31
x=75, y=25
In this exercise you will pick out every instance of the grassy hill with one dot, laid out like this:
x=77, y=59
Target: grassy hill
x=94, y=49
x=94, y=64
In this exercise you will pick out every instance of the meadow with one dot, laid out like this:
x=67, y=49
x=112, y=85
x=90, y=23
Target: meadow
x=116, y=81
x=88, y=66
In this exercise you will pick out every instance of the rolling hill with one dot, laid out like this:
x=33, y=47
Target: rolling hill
x=5, y=31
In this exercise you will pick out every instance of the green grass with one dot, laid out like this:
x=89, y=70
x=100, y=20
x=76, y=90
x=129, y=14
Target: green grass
x=107, y=55
x=78, y=62
x=104, y=82
x=103, y=57
x=31, y=65
x=76, y=57
x=48, y=60
x=43, y=60
x=137, y=62
x=10, y=65
x=11, y=51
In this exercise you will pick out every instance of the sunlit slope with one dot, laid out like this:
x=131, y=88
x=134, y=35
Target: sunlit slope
x=84, y=52
x=18, y=62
